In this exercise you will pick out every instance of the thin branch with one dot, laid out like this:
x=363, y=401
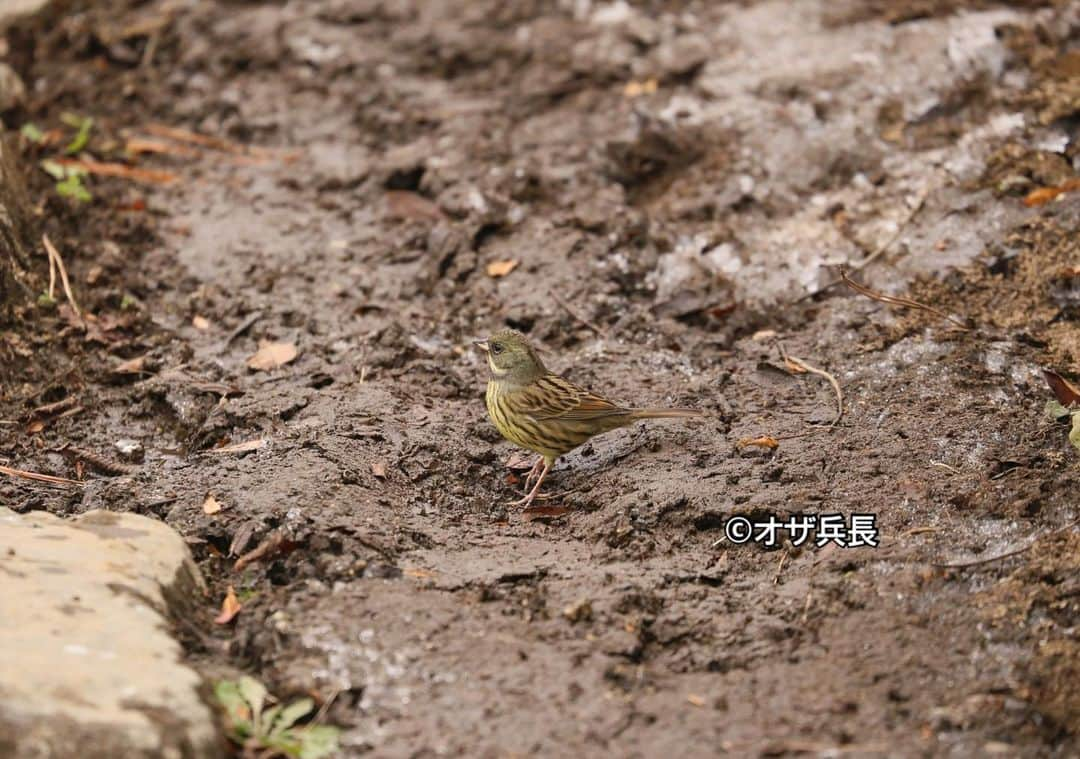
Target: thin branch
x=35, y=476
x=801, y=365
x=1008, y=554
x=54, y=254
x=896, y=301
x=570, y=310
x=877, y=252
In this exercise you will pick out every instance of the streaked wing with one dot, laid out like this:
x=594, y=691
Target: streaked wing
x=553, y=397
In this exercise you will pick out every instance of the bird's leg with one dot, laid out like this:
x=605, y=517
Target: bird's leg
x=524, y=502
x=534, y=472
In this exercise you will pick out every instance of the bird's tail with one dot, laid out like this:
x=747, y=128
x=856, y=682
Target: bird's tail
x=666, y=413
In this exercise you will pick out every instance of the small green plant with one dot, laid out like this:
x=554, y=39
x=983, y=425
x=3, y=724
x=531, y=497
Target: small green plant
x=32, y=132
x=46, y=301
x=128, y=302
x=69, y=180
x=274, y=728
x=81, y=123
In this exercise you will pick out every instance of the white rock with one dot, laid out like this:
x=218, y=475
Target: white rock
x=87, y=665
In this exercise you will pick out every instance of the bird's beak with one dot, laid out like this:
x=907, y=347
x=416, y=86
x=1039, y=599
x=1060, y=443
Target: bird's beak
x=482, y=345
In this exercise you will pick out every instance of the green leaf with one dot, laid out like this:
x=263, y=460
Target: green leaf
x=236, y=708
x=72, y=187
x=1074, y=434
x=44, y=301
x=268, y=718
x=1055, y=411
x=54, y=170
x=293, y=712
x=82, y=136
x=31, y=132
x=318, y=741
x=254, y=693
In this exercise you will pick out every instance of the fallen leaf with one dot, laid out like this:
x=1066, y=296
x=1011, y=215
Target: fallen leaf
x=695, y=699
x=131, y=366
x=378, y=469
x=543, y=512
x=211, y=505
x=402, y=204
x=272, y=355
x=230, y=607
x=1066, y=392
x=497, y=269
x=637, y=89
x=765, y=441
x=794, y=367
x=35, y=427
x=244, y=447
x=1042, y=195
x=763, y=334
x=200, y=322
x=420, y=574
x=275, y=543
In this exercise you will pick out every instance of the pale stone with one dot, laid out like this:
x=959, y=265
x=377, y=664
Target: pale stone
x=88, y=666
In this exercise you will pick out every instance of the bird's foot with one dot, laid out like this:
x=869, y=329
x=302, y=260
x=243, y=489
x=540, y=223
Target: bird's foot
x=534, y=473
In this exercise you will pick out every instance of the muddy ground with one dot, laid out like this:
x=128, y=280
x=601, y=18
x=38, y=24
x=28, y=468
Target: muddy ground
x=671, y=179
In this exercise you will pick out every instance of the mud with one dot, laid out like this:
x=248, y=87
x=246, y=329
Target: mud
x=672, y=178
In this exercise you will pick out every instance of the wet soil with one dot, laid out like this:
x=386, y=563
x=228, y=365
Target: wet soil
x=675, y=182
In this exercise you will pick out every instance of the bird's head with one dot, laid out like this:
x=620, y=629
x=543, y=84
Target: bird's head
x=511, y=358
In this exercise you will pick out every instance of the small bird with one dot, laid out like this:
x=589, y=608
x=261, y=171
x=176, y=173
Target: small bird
x=545, y=413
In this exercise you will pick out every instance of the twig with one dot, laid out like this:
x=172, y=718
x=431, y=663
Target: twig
x=99, y=462
x=946, y=467
x=780, y=568
x=802, y=365
x=242, y=328
x=54, y=255
x=570, y=310
x=896, y=301
x=918, y=531
x=879, y=251
x=122, y=170
x=321, y=714
x=49, y=409
x=46, y=478
x=1008, y=554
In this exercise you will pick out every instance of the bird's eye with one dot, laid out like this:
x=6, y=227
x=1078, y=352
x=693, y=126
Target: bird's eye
x=496, y=348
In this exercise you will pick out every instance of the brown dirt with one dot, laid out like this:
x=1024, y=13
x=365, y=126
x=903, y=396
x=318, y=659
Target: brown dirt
x=405, y=147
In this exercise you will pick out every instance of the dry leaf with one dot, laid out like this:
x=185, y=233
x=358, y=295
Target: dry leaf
x=1065, y=392
x=230, y=607
x=765, y=441
x=793, y=367
x=35, y=427
x=763, y=334
x=401, y=204
x=1044, y=195
x=131, y=366
x=200, y=322
x=420, y=574
x=272, y=355
x=637, y=89
x=244, y=447
x=695, y=699
x=211, y=505
x=542, y=512
x=497, y=269
x=378, y=469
